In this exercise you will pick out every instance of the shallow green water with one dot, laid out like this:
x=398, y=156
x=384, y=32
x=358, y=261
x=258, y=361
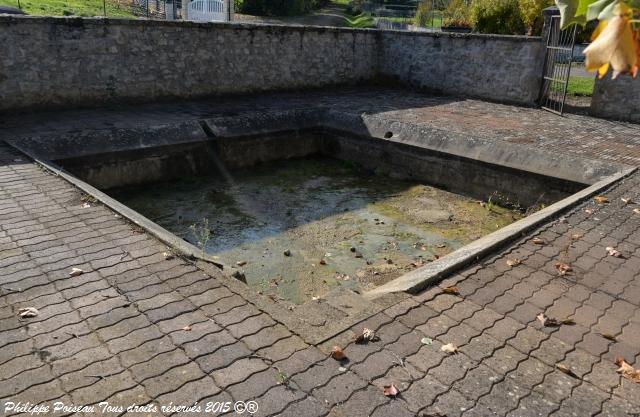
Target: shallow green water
x=342, y=226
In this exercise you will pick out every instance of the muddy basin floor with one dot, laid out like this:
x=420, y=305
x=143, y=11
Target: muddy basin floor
x=299, y=228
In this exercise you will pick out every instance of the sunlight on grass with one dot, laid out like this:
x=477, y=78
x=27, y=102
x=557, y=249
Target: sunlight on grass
x=581, y=86
x=360, y=21
x=114, y=8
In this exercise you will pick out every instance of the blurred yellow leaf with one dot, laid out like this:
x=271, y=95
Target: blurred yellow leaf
x=614, y=45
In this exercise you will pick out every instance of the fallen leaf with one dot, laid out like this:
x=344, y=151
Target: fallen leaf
x=451, y=290
x=167, y=256
x=315, y=298
x=28, y=312
x=426, y=340
x=627, y=200
x=609, y=337
x=637, y=211
x=514, y=262
x=187, y=328
x=75, y=272
x=366, y=336
x=600, y=199
x=613, y=252
x=241, y=263
x=449, y=348
x=627, y=370
x=390, y=390
x=442, y=245
x=547, y=321
x=538, y=241
x=563, y=268
x=564, y=368
x=323, y=262
x=337, y=353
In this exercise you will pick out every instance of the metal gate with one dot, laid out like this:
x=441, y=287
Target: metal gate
x=207, y=10
x=557, y=66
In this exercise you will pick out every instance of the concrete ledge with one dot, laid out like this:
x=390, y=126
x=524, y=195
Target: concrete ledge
x=110, y=21
x=93, y=142
x=179, y=245
x=436, y=271
x=501, y=153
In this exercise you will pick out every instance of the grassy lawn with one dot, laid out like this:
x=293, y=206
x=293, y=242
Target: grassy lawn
x=361, y=21
x=115, y=8
x=581, y=86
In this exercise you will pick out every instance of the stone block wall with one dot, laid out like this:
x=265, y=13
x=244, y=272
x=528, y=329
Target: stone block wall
x=48, y=62
x=617, y=99
x=501, y=68
x=76, y=61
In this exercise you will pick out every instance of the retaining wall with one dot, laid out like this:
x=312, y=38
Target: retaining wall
x=617, y=99
x=48, y=62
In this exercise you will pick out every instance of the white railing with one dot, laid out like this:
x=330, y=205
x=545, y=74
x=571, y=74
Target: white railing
x=207, y=10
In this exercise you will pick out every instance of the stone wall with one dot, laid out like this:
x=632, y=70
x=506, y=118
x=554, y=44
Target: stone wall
x=76, y=61
x=501, y=68
x=617, y=99
x=47, y=62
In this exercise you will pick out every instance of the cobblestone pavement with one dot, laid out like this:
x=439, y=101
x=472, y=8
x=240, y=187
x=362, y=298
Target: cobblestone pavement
x=137, y=328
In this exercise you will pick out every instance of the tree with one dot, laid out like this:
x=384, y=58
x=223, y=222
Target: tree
x=531, y=12
x=616, y=39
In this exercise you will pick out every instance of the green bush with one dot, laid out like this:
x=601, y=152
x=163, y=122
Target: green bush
x=531, y=11
x=423, y=13
x=497, y=16
x=457, y=14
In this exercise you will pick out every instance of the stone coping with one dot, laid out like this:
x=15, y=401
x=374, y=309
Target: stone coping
x=81, y=21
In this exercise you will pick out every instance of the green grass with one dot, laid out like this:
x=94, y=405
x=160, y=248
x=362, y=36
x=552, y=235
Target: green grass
x=71, y=7
x=581, y=86
x=360, y=21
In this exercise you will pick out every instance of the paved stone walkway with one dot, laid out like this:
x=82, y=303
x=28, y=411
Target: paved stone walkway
x=117, y=332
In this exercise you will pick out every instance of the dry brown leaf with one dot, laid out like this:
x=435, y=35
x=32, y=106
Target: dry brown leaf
x=514, y=262
x=600, y=199
x=366, y=336
x=627, y=370
x=542, y=318
x=187, y=328
x=564, y=368
x=547, y=321
x=27, y=312
x=614, y=252
x=337, y=353
x=390, y=390
x=451, y=290
x=563, y=268
x=609, y=337
x=75, y=272
x=449, y=348
x=538, y=241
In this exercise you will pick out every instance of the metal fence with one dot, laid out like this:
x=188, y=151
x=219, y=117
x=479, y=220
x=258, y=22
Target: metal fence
x=418, y=15
x=154, y=9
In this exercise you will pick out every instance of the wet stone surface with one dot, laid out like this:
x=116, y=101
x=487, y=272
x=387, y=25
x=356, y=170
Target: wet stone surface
x=300, y=228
